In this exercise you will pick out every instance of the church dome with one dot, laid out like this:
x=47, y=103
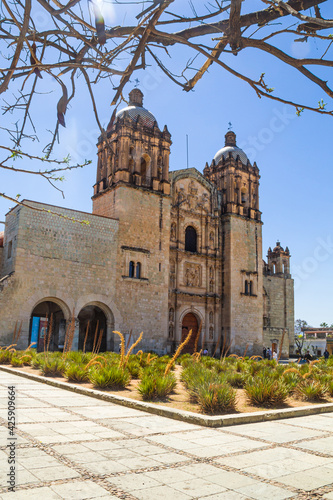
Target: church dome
x=278, y=247
x=230, y=147
x=135, y=109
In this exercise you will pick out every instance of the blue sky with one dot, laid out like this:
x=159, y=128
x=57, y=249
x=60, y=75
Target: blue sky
x=294, y=154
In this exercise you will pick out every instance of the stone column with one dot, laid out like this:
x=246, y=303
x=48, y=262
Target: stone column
x=109, y=336
x=165, y=156
x=75, y=344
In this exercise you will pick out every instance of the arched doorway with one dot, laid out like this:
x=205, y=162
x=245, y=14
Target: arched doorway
x=190, y=322
x=92, y=324
x=47, y=315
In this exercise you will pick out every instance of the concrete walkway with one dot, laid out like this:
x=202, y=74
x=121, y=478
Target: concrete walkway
x=76, y=447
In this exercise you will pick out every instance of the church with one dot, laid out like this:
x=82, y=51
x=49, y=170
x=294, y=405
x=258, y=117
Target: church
x=163, y=252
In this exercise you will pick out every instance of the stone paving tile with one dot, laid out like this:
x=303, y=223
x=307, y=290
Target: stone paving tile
x=197, y=487
x=200, y=470
x=319, y=422
x=165, y=492
x=86, y=457
x=133, y=482
x=220, y=450
x=43, y=493
x=105, y=467
x=55, y=473
x=276, y=432
x=145, y=456
x=322, y=445
x=36, y=462
x=304, y=481
x=105, y=413
x=260, y=457
x=230, y=480
x=169, y=476
x=225, y=495
x=102, y=445
x=80, y=490
x=120, y=453
x=25, y=477
x=65, y=449
x=139, y=462
x=263, y=491
x=169, y=458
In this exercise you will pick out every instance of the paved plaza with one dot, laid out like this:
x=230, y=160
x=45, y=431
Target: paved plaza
x=76, y=447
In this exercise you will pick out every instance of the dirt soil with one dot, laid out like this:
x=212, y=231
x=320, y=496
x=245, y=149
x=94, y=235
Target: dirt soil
x=180, y=398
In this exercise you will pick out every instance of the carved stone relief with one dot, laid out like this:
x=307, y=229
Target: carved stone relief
x=192, y=274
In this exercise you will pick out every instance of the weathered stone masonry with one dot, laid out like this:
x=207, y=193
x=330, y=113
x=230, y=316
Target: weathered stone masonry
x=162, y=253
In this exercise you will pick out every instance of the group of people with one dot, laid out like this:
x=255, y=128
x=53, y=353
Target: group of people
x=269, y=354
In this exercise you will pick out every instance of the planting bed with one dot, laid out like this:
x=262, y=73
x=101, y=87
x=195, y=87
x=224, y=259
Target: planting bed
x=197, y=384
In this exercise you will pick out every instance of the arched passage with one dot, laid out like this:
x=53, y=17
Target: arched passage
x=47, y=314
x=189, y=322
x=92, y=317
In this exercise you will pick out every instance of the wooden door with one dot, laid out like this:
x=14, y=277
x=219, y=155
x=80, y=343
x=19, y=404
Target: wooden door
x=190, y=322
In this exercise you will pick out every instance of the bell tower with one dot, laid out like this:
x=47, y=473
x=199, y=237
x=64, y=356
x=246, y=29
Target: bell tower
x=278, y=260
x=133, y=186
x=134, y=152
x=237, y=180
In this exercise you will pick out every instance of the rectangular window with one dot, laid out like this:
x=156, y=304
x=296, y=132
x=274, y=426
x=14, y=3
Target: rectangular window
x=9, y=251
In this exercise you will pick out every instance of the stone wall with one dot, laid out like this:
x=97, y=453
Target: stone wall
x=144, y=237
x=279, y=291
x=242, y=258
x=57, y=259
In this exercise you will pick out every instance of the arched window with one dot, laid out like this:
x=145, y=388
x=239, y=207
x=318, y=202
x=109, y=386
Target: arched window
x=190, y=239
x=131, y=269
x=246, y=288
x=138, y=270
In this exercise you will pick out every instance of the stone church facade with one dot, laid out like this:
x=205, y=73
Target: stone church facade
x=162, y=252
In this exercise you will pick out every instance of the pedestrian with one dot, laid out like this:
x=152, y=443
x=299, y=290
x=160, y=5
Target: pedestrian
x=308, y=356
x=264, y=352
x=326, y=354
x=268, y=353
x=275, y=355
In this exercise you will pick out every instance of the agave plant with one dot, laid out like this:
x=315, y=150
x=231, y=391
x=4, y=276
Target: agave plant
x=156, y=386
x=5, y=357
x=110, y=377
x=311, y=390
x=76, y=373
x=52, y=367
x=267, y=391
x=216, y=398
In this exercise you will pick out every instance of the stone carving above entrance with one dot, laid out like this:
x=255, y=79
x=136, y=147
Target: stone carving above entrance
x=192, y=274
